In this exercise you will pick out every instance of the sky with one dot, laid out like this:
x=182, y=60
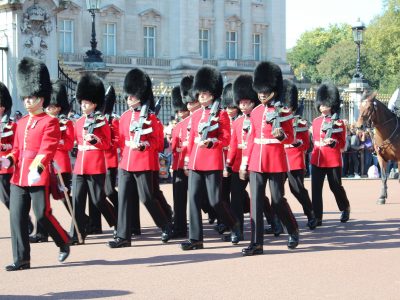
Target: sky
x=305, y=15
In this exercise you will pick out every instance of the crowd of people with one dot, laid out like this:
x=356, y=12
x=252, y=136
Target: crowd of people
x=224, y=138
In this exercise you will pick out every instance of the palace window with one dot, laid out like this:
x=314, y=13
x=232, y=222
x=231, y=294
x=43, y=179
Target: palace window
x=204, y=43
x=109, y=39
x=231, y=45
x=66, y=38
x=149, y=41
x=257, y=46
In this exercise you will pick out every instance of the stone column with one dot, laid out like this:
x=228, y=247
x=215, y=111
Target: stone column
x=219, y=36
x=247, y=36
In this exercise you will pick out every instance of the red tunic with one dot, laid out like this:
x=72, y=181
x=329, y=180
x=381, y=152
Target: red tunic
x=264, y=152
x=6, y=143
x=35, y=144
x=160, y=144
x=179, y=141
x=133, y=160
x=296, y=155
x=112, y=153
x=238, y=142
x=90, y=159
x=65, y=145
x=204, y=159
x=324, y=156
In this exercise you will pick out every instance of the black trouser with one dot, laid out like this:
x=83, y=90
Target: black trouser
x=93, y=185
x=111, y=194
x=258, y=182
x=20, y=206
x=180, y=191
x=133, y=186
x=5, y=189
x=158, y=194
x=238, y=197
x=296, y=185
x=335, y=184
x=210, y=181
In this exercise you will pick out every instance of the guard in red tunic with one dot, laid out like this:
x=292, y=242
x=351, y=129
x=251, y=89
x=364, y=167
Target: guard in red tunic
x=179, y=179
x=138, y=138
x=246, y=99
x=329, y=138
x=296, y=153
x=265, y=156
x=111, y=156
x=92, y=134
x=7, y=134
x=209, y=134
x=35, y=144
x=59, y=108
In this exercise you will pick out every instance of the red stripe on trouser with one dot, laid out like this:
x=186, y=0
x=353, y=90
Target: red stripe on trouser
x=52, y=219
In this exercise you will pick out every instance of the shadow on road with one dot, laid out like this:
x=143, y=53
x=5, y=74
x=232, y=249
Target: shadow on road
x=89, y=294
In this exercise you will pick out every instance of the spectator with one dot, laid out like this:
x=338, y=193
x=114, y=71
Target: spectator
x=355, y=146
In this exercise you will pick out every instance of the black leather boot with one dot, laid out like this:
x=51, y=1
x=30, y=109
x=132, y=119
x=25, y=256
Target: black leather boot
x=293, y=240
x=19, y=265
x=192, y=245
x=253, y=249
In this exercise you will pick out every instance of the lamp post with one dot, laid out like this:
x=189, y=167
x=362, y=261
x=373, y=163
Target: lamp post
x=358, y=36
x=93, y=55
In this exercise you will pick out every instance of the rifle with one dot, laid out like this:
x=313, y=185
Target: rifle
x=157, y=106
x=206, y=128
x=329, y=127
x=91, y=122
x=137, y=127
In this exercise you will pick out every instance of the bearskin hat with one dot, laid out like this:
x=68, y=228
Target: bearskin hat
x=243, y=89
x=177, y=102
x=59, y=97
x=33, y=79
x=268, y=79
x=109, y=100
x=186, y=87
x=208, y=79
x=227, y=96
x=137, y=83
x=290, y=95
x=328, y=95
x=90, y=87
x=150, y=96
x=5, y=98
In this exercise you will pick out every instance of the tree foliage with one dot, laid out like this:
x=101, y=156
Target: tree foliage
x=330, y=54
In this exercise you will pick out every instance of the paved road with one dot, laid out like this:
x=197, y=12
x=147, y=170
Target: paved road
x=357, y=260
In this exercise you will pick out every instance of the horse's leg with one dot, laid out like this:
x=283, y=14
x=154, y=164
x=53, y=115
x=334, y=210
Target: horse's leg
x=384, y=176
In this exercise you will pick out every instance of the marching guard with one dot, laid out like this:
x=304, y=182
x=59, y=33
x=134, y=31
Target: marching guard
x=138, y=138
x=35, y=144
x=296, y=153
x=265, y=156
x=329, y=138
x=92, y=134
x=209, y=134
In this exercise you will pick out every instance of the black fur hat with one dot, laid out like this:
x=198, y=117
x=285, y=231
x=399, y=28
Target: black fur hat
x=90, y=87
x=5, y=98
x=33, y=79
x=227, y=96
x=208, y=79
x=268, y=79
x=328, y=95
x=150, y=96
x=243, y=89
x=177, y=102
x=59, y=97
x=290, y=95
x=137, y=83
x=109, y=100
x=186, y=87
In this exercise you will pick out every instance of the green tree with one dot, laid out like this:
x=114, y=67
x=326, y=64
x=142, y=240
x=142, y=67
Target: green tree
x=305, y=56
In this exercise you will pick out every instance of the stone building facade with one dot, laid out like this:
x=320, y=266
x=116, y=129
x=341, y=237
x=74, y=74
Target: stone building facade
x=166, y=38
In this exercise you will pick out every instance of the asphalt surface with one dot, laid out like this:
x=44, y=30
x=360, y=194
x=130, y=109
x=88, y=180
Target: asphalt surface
x=356, y=260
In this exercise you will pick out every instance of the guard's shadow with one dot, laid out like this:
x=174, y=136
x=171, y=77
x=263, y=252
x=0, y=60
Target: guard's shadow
x=88, y=294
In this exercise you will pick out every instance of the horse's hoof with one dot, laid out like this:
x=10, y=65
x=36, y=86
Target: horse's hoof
x=381, y=201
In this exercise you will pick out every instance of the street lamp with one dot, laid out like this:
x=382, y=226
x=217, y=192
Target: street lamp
x=358, y=36
x=93, y=55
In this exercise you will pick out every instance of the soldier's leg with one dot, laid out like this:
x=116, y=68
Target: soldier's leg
x=317, y=183
x=19, y=218
x=257, y=193
x=196, y=185
x=180, y=187
x=96, y=189
x=335, y=184
x=79, y=186
x=5, y=189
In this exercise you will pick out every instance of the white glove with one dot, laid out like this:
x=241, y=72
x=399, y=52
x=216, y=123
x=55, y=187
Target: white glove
x=33, y=177
x=4, y=163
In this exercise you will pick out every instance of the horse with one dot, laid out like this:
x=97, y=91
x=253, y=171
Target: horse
x=374, y=114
